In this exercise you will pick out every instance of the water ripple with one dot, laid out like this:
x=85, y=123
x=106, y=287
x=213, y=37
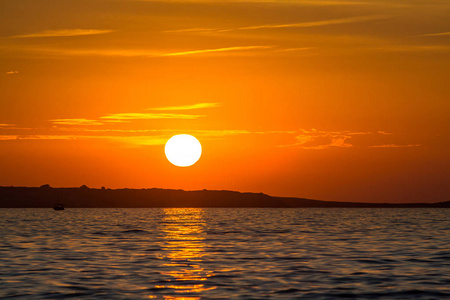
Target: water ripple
x=224, y=253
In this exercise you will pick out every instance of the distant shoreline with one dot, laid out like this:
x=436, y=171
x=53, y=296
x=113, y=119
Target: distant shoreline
x=85, y=197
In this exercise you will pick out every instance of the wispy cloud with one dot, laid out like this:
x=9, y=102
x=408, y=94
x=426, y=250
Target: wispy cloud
x=436, y=34
x=322, y=141
x=219, y=133
x=396, y=146
x=194, y=29
x=290, y=25
x=12, y=72
x=170, y=132
x=318, y=140
x=116, y=121
x=82, y=122
x=384, y=132
x=226, y=49
x=130, y=137
x=294, y=49
x=187, y=107
x=144, y=53
x=7, y=125
x=36, y=137
x=142, y=140
x=125, y=53
x=127, y=140
x=128, y=117
x=63, y=33
x=149, y=116
x=414, y=48
x=313, y=24
x=311, y=139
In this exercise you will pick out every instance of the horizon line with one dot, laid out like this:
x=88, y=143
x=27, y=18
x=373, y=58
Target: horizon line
x=47, y=186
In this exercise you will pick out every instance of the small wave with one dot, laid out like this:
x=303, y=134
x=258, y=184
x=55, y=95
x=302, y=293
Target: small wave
x=100, y=232
x=135, y=231
x=288, y=291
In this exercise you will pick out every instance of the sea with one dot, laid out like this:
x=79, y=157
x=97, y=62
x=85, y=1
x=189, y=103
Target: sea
x=225, y=253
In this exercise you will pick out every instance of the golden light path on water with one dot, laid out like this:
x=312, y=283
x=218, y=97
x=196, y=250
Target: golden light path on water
x=183, y=248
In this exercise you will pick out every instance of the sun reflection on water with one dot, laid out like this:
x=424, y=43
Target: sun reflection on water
x=182, y=250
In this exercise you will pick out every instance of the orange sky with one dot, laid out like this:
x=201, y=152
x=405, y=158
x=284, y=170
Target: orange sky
x=331, y=100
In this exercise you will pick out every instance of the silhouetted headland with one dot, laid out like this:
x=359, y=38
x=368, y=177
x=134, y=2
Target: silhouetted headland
x=45, y=196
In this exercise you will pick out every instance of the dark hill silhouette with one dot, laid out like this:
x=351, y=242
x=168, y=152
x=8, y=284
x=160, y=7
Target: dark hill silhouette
x=46, y=196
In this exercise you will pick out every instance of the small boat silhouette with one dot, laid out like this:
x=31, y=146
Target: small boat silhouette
x=58, y=206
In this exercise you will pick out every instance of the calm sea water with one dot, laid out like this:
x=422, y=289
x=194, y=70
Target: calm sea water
x=225, y=253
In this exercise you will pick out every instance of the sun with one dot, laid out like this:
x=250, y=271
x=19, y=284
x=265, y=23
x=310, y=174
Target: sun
x=183, y=150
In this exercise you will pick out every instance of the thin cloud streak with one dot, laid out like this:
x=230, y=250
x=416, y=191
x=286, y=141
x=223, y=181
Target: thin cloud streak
x=308, y=139
x=187, y=107
x=143, y=140
x=123, y=137
x=136, y=140
x=212, y=133
x=128, y=117
x=226, y=49
x=436, y=34
x=414, y=48
x=149, y=116
x=305, y=139
x=36, y=137
x=82, y=122
x=294, y=49
x=322, y=141
x=319, y=140
x=143, y=53
x=290, y=25
x=116, y=121
x=396, y=146
x=197, y=29
x=63, y=33
x=127, y=140
x=314, y=24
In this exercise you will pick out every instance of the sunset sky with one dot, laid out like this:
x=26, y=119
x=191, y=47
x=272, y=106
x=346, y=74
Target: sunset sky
x=331, y=100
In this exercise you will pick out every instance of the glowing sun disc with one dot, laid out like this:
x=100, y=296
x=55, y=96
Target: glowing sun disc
x=183, y=150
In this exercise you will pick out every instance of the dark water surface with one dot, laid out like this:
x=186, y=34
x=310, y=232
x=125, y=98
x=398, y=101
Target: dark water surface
x=225, y=253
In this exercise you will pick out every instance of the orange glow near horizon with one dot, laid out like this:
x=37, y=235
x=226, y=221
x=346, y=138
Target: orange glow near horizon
x=341, y=100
